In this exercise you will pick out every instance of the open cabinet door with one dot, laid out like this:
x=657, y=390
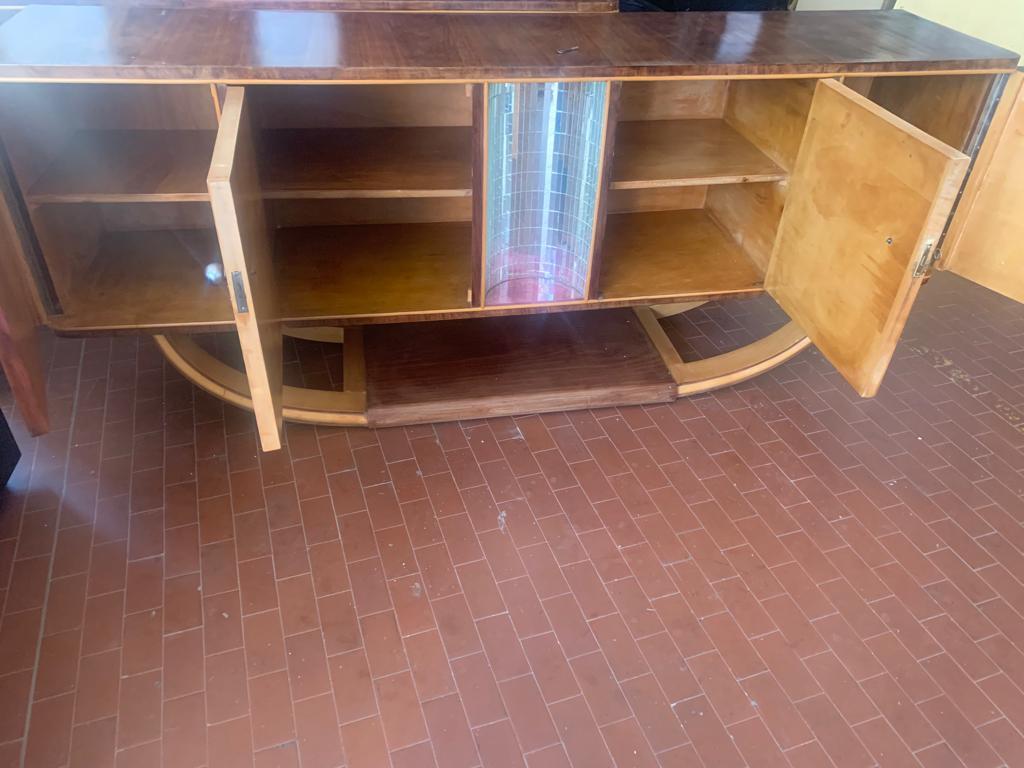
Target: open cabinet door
x=986, y=239
x=246, y=250
x=867, y=201
x=19, y=341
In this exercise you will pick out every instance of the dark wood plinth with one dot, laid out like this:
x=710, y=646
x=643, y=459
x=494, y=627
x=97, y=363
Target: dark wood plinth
x=458, y=369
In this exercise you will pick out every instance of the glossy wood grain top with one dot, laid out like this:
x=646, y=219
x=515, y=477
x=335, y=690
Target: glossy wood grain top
x=407, y=6
x=96, y=42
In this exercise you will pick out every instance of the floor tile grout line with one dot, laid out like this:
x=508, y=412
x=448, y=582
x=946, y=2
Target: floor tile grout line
x=49, y=576
x=358, y=618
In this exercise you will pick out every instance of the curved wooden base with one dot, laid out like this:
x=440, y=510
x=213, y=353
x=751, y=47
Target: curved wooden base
x=668, y=310
x=328, y=334
x=310, y=406
x=728, y=368
x=744, y=363
x=349, y=407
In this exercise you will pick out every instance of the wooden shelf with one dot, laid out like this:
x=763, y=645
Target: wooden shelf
x=373, y=269
x=366, y=162
x=114, y=166
x=672, y=254
x=147, y=279
x=681, y=153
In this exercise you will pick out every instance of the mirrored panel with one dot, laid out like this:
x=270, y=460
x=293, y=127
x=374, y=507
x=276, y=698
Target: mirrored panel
x=544, y=147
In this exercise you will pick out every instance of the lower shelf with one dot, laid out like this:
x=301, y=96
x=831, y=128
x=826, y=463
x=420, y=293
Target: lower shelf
x=147, y=279
x=372, y=273
x=325, y=272
x=673, y=254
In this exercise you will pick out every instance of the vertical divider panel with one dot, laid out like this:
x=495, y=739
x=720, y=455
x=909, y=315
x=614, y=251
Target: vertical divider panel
x=19, y=320
x=246, y=250
x=604, y=180
x=985, y=235
x=479, y=191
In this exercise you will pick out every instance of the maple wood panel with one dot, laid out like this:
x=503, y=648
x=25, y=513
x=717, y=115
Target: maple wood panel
x=19, y=320
x=986, y=239
x=246, y=250
x=945, y=107
x=869, y=193
x=771, y=115
x=750, y=213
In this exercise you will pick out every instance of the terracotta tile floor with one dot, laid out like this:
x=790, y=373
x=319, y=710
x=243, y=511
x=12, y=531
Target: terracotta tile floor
x=778, y=574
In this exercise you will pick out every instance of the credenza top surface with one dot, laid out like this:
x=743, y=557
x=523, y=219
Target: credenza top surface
x=118, y=43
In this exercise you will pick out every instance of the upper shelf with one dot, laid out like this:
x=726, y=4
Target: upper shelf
x=682, y=153
x=137, y=166
x=112, y=166
x=44, y=42
x=367, y=162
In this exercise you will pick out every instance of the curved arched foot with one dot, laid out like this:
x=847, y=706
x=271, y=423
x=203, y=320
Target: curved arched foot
x=728, y=368
x=311, y=406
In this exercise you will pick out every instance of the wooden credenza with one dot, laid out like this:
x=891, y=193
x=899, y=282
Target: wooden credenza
x=491, y=212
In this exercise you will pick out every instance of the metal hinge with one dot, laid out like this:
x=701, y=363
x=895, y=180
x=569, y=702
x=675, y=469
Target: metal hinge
x=926, y=259
x=238, y=284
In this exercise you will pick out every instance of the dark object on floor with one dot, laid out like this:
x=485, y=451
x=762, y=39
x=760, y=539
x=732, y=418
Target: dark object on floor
x=703, y=5
x=9, y=452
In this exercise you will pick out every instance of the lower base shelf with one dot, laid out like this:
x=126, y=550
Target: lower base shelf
x=418, y=372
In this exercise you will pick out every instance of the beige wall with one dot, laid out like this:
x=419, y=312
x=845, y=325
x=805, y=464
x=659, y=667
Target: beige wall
x=998, y=21
x=838, y=5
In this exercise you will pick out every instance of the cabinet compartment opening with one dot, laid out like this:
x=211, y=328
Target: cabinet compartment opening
x=342, y=141
x=109, y=143
x=707, y=132
x=368, y=190
x=698, y=182
x=697, y=242
x=697, y=186
x=114, y=182
x=144, y=265
x=672, y=255
x=366, y=257
x=678, y=134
